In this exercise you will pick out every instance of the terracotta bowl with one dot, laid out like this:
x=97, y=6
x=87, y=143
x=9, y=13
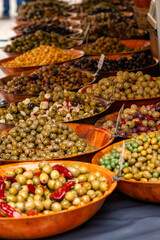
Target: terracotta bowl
x=145, y=191
x=89, y=120
x=117, y=103
x=42, y=226
x=130, y=43
x=111, y=116
x=11, y=97
x=95, y=136
x=12, y=70
x=151, y=69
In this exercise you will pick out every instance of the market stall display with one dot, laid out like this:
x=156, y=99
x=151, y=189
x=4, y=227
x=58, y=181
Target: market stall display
x=83, y=77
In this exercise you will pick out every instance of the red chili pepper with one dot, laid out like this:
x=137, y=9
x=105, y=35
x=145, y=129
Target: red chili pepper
x=67, y=101
x=136, y=123
x=148, y=117
x=31, y=213
x=123, y=121
x=37, y=174
x=60, y=192
x=62, y=169
x=2, y=189
x=24, y=170
x=12, y=179
x=31, y=188
x=46, y=99
x=1, y=215
x=152, y=79
x=8, y=210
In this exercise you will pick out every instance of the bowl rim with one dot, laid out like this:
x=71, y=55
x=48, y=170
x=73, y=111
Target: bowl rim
x=111, y=139
x=72, y=50
x=122, y=180
x=107, y=193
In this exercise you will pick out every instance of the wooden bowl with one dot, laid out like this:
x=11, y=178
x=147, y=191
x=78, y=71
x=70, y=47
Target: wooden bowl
x=151, y=69
x=117, y=103
x=130, y=43
x=145, y=191
x=11, y=97
x=95, y=136
x=88, y=120
x=12, y=70
x=111, y=116
x=42, y=226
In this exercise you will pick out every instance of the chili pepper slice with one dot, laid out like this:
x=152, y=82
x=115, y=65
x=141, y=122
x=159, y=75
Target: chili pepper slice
x=62, y=169
x=31, y=213
x=12, y=179
x=8, y=210
x=2, y=189
x=31, y=188
x=60, y=192
x=37, y=174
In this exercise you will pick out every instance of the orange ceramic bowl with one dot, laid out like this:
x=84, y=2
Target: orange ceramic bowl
x=88, y=120
x=145, y=191
x=138, y=45
x=13, y=70
x=117, y=103
x=42, y=226
x=95, y=136
x=11, y=97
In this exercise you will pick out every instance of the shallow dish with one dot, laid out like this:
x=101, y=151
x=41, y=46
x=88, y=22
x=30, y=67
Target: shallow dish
x=130, y=43
x=145, y=191
x=12, y=70
x=46, y=225
x=117, y=103
x=89, y=120
x=11, y=97
x=95, y=136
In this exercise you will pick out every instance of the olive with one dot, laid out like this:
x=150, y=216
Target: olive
x=29, y=206
x=65, y=204
x=56, y=207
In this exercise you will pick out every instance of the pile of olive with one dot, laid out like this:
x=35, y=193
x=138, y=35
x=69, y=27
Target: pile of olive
x=101, y=9
x=113, y=25
x=136, y=121
x=61, y=105
x=106, y=45
x=39, y=139
x=48, y=77
x=31, y=6
x=87, y=186
x=141, y=161
x=126, y=86
x=38, y=14
x=48, y=26
x=137, y=60
x=24, y=43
